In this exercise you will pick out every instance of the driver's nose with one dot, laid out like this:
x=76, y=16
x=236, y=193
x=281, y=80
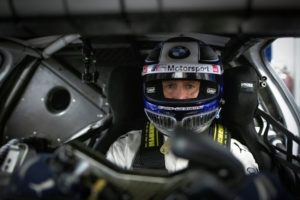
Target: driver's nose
x=180, y=93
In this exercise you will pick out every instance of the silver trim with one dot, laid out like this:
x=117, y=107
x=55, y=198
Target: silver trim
x=161, y=120
x=89, y=127
x=199, y=119
x=198, y=122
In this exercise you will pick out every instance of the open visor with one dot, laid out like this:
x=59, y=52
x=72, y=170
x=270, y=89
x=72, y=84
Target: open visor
x=208, y=89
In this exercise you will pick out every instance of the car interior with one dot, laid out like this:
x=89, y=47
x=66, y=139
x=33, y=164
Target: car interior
x=71, y=85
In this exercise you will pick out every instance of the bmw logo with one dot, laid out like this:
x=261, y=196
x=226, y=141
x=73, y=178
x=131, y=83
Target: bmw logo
x=179, y=52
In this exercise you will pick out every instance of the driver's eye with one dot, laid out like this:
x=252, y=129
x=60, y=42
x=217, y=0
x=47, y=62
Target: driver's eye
x=170, y=85
x=189, y=86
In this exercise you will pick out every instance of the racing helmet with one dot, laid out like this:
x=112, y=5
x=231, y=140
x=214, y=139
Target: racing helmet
x=182, y=58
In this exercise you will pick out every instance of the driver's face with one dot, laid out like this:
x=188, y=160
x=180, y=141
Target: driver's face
x=181, y=89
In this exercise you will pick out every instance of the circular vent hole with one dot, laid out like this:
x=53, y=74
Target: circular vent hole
x=58, y=100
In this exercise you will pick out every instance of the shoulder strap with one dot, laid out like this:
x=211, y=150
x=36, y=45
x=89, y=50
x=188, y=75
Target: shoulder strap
x=220, y=134
x=149, y=155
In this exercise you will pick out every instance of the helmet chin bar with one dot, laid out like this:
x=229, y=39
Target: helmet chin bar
x=171, y=131
x=197, y=123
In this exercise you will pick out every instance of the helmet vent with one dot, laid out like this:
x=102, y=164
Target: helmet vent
x=194, y=121
x=161, y=120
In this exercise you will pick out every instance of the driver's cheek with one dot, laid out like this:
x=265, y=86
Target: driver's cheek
x=193, y=94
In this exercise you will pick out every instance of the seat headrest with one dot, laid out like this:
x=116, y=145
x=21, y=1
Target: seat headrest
x=240, y=95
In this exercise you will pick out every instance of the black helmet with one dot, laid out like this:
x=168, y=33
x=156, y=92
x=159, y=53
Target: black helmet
x=182, y=58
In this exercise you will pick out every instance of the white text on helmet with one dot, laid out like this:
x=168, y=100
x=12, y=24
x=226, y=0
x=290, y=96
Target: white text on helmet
x=191, y=68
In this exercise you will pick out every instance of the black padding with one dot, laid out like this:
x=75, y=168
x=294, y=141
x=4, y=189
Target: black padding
x=153, y=56
x=240, y=98
x=241, y=102
x=125, y=93
x=207, y=54
x=126, y=101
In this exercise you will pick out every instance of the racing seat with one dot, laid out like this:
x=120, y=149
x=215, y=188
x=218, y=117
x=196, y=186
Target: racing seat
x=126, y=101
x=241, y=103
x=240, y=109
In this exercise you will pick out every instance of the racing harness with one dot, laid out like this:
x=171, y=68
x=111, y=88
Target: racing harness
x=151, y=153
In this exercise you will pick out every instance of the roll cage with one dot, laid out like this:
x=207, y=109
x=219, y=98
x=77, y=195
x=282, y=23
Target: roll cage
x=89, y=50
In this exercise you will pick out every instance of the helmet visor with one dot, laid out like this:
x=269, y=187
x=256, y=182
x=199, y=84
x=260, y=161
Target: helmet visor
x=181, y=90
x=203, y=80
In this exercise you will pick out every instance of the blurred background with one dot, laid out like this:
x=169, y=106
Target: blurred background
x=284, y=56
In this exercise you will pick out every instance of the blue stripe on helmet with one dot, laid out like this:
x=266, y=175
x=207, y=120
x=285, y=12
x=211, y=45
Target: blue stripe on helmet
x=201, y=108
